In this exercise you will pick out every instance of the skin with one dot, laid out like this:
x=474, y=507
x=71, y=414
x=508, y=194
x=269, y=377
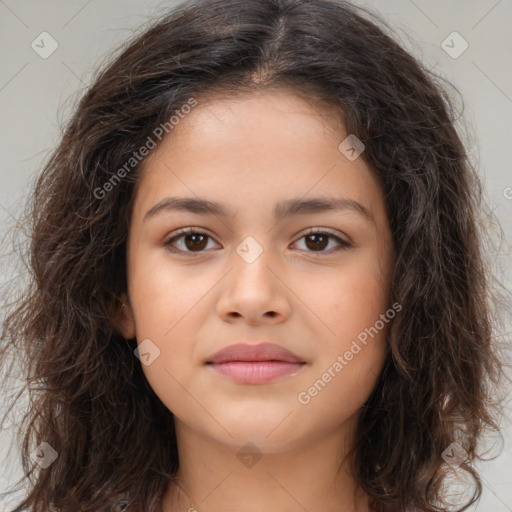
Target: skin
x=249, y=153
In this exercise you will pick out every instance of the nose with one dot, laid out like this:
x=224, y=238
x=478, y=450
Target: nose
x=254, y=291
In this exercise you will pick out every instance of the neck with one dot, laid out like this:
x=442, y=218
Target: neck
x=213, y=477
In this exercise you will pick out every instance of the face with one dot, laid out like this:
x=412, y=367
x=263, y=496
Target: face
x=313, y=280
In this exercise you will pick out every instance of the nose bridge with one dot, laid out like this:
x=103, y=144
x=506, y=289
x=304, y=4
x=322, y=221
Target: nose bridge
x=252, y=290
x=250, y=250
x=252, y=260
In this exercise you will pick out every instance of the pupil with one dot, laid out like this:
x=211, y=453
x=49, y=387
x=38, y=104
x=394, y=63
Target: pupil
x=195, y=237
x=316, y=243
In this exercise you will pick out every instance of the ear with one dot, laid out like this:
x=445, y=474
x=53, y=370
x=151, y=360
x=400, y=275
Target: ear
x=122, y=319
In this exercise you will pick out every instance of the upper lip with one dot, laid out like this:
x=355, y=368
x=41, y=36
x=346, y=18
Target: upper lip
x=264, y=351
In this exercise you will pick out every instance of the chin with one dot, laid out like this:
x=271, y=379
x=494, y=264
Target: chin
x=270, y=431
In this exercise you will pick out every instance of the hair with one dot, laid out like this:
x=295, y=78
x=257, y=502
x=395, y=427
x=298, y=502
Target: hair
x=88, y=396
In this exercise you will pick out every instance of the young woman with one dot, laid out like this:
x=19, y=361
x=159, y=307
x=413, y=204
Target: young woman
x=257, y=276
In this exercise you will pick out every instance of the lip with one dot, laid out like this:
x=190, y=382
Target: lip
x=263, y=351
x=255, y=363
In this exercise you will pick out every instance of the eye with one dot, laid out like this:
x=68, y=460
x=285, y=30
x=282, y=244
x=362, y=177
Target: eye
x=317, y=240
x=191, y=239
x=195, y=241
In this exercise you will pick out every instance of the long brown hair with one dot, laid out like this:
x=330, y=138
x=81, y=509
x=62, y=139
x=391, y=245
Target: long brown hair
x=89, y=399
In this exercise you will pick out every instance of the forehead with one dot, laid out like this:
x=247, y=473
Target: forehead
x=243, y=116
x=260, y=145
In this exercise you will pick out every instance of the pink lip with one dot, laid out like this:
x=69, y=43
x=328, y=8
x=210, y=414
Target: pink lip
x=255, y=364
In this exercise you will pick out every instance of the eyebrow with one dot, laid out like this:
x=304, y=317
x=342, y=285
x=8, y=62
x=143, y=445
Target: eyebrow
x=282, y=210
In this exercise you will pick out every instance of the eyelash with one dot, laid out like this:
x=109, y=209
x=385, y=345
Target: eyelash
x=343, y=245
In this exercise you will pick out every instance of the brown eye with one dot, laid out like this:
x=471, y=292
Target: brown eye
x=195, y=241
x=318, y=241
x=188, y=241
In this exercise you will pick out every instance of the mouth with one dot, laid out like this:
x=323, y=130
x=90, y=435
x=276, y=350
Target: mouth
x=255, y=364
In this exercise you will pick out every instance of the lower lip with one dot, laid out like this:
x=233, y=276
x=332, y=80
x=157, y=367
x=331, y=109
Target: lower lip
x=256, y=372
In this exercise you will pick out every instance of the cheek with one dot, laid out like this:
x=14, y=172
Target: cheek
x=169, y=316
x=170, y=304
x=355, y=311
x=332, y=397
x=350, y=299
x=162, y=294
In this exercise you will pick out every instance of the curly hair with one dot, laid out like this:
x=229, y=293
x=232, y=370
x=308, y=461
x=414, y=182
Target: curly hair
x=89, y=398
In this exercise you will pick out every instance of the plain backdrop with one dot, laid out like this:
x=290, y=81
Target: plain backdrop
x=37, y=94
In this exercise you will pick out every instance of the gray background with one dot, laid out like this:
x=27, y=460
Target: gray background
x=37, y=94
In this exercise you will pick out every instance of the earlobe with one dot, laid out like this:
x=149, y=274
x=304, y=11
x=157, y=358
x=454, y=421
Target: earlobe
x=123, y=319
